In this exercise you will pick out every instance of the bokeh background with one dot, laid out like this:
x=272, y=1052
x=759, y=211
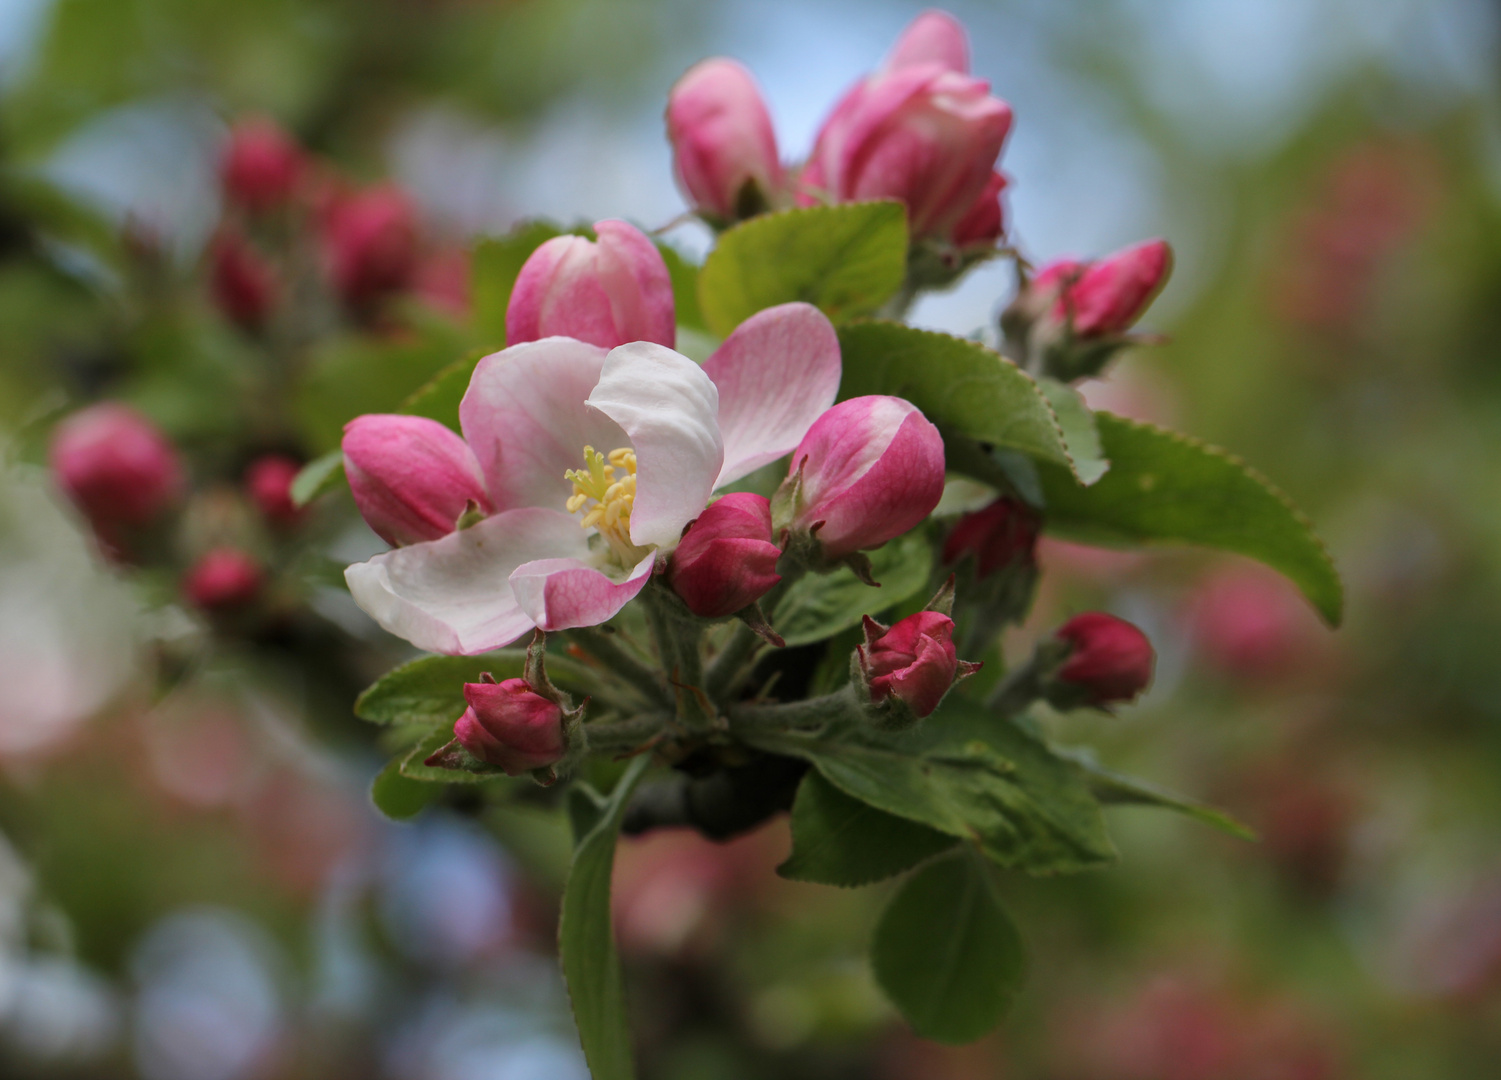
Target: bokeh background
x=193, y=884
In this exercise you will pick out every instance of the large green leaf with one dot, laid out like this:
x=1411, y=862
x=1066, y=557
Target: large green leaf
x=946, y=952
x=846, y=260
x=970, y=774
x=1163, y=487
x=837, y=840
x=684, y=275
x=493, y=271
x=1079, y=430
x=960, y=385
x=819, y=606
x=586, y=946
x=1117, y=789
x=438, y=399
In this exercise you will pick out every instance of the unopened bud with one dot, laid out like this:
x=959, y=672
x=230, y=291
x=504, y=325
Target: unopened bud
x=510, y=726
x=223, y=578
x=261, y=166
x=115, y=465
x=268, y=481
x=724, y=148
x=412, y=478
x=913, y=662
x=726, y=560
x=370, y=241
x=1109, y=661
x=243, y=283
x=1001, y=535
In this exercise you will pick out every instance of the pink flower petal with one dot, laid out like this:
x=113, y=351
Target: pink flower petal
x=934, y=37
x=776, y=374
x=557, y=594
x=670, y=409
x=451, y=595
x=525, y=419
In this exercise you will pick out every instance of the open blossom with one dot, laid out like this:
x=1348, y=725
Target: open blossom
x=921, y=130
x=593, y=462
x=913, y=661
x=1107, y=296
x=871, y=469
x=726, y=560
x=724, y=147
x=115, y=465
x=607, y=292
x=508, y=725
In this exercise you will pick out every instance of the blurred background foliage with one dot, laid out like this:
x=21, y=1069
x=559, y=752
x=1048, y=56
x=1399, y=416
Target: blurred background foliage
x=192, y=883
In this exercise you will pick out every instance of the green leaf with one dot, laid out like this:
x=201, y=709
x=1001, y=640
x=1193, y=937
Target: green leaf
x=1163, y=487
x=430, y=689
x=493, y=271
x=400, y=797
x=438, y=399
x=413, y=766
x=946, y=953
x=1118, y=789
x=317, y=476
x=819, y=606
x=586, y=945
x=1079, y=430
x=970, y=774
x=846, y=260
x=684, y=276
x=960, y=385
x=837, y=840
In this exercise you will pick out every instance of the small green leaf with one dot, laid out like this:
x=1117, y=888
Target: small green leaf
x=414, y=766
x=586, y=945
x=846, y=260
x=430, y=689
x=1163, y=487
x=400, y=797
x=837, y=840
x=684, y=276
x=970, y=774
x=946, y=953
x=819, y=606
x=1079, y=430
x=493, y=271
x=960, y=385
x=1117, y=789
x=317, y=476
x=438, y=399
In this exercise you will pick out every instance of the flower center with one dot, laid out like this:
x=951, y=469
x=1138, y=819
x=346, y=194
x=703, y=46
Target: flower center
x=603, y=491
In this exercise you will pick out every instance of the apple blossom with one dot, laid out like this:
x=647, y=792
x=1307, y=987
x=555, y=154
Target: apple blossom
x=115, y=465
x=1109, y=661
x=913, y=661
x=726, y=560
x=724, y=147
x=1107, y=296
x=508, y=725
x=594, y=462
x=920, y=130
x=607, y=292
x=867, y=471
x=412, y=478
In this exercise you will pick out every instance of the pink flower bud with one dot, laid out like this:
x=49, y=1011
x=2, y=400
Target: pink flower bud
x=985, y=223
x=243, y=284
x=115, y=465
x=914, y=661
x=924, y=134
x=268, y=481
x=1111, y=660
x=934, y=37
x=722, y=141
x=872, y=468
x=509, y=726
x=261, y=166
x=608, y=293
x=412, y=478
x=1001, y=535
x=223, y=578
x=370, y=242
x=726, y=560
x=1108, y=296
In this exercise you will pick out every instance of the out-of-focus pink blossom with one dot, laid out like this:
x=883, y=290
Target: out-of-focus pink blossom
x=262, y=165
x=726, y=560
x=1107, y=296
x=724, y=146
x=268, y=481
x=608, y=292
x=999, y=535
x=1252, y=624
x=872, y=468
x=921, y=130
x=370, y=243
x=412, y=478
x=509, y=726
x=1111, y=660
x=115, y=465
x=914, y=661
x=223, y=578
x=243, y=283
x=443, y=280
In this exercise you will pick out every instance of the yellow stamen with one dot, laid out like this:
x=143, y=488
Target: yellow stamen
x=605, y=497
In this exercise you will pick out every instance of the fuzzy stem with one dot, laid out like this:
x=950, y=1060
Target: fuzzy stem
x=618, y=735
x=736, y=659
x=797, y=715
x=616, y=659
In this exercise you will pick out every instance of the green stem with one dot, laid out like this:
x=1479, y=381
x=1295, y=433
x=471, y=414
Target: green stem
x=618, y=735
x=797, y=715
x=602, y=646
x=736, y=659
x=678, y=644
x=1020, y=689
